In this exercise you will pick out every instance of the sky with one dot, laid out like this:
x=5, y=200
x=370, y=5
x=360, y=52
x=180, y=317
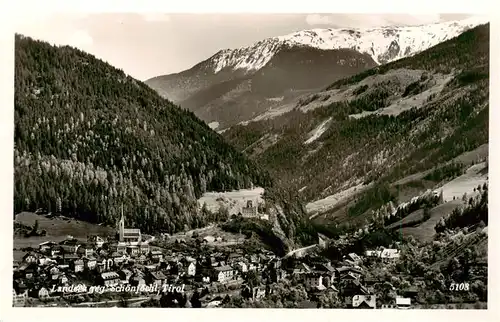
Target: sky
x=149, y=45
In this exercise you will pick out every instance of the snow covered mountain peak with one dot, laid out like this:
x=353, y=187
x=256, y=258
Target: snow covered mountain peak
x=383, y=44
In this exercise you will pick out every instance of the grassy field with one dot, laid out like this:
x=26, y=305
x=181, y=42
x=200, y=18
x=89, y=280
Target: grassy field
x=470, y=157
x=57, y=230
x=425, y=231
x=211, y=230
x=467, y=159
x=335, y=200
x=475, y=176
x=233, y=200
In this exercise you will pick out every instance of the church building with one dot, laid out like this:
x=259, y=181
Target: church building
x=128, y=235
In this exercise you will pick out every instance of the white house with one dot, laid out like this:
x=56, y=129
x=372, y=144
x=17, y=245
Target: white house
x=144, y=247
x=373, y=253
x=63, y=279
x=264, y=217
x=106, y=264
x=30, y=258
x=250, y=210
x=209, y=239
x=389, y=253
x=79, y=265
x=364, y=301
x=98, y=241
x=90, y=262
x=55, y=251
x=313, y=280
x=215, y=303
x=121, y=247
x=133, y=250
x=403, y=303
x=85, y=250
x=223, y=273
x=157, y=255
x=110, y=278
x=70, y=246
x=44, y=260
x=242, y=267
x=19, y=299
x=120, y=258
x=43, y=293
x=191, y=269
x=258, y=293
x=46, y=246
x=354, y=257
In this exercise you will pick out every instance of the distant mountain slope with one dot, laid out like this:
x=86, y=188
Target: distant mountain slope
x=89, y=139
x=302, y=52
x=381, y=125
x=292, y=72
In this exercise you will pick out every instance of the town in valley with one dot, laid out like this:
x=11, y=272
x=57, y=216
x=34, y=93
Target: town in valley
x=320, y=168
x=208, y=267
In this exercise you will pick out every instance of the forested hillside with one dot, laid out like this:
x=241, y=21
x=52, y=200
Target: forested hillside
x=89, y=138
x=381, y=125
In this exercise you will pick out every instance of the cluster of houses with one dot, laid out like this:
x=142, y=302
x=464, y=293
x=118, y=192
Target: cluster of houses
x=347, y=280
x=130, y=261
x=55, y=265
x=127, y=261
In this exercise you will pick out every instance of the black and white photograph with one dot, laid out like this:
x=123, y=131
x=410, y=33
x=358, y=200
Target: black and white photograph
x=251, y=160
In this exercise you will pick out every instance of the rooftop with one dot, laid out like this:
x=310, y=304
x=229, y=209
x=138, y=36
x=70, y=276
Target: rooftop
x=403, y=301
x=223, y=268
x=328, y=267
x=110, y=275
x=49, y=242
x=69, y=242
x=348, y=269
x=131, y=231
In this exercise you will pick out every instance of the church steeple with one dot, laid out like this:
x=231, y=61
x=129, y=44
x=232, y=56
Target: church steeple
x=121, y=226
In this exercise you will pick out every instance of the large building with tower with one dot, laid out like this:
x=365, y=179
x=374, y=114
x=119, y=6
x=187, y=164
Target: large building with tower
x=127, y=235
x=250, y=211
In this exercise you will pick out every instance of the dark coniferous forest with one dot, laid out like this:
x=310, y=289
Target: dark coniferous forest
x=89, y=139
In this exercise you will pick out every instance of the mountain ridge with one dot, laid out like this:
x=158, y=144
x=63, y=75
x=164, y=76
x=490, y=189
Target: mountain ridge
x=376, y=42
x=234, y=66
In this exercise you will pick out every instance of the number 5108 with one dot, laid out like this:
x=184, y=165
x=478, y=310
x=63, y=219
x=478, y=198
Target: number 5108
x=459, y=287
